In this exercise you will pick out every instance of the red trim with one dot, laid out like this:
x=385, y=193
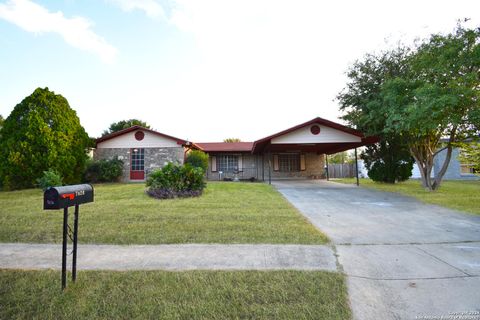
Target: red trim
x=124, y=131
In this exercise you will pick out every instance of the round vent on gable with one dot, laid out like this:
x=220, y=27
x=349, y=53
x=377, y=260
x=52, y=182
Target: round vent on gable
x=139, y=135
x=315, y=129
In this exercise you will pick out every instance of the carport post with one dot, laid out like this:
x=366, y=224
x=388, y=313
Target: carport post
x=326, y=165
x=269, y=172
x=356, y=166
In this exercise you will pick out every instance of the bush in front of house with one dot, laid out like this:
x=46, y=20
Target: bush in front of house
x=50, y=178
x=176, y=181
x=198, y=159
x=103, y=171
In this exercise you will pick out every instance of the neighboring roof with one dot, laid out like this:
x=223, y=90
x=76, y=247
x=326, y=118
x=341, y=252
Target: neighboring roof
x=225, y=146
x=134, y=128
x=260, y=144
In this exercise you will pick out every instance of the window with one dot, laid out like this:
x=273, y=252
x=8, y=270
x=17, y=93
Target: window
x=137, y=159
x=227, y=163
x=289, y=162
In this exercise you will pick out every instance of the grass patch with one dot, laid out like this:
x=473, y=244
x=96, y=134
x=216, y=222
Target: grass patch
x=458, y=195
x=174, y=295
x=124, y=214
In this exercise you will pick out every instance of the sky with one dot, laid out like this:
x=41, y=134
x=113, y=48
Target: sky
x=203, y=70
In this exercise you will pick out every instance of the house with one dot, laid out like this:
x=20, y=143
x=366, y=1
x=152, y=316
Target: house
x=297, y=152
x=141, y=150
x=455, y=171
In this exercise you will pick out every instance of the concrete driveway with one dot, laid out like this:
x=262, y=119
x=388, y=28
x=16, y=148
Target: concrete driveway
x=404, y=259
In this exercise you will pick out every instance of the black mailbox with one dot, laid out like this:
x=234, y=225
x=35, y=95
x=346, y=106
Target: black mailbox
x=62, y=198
x=67, y=196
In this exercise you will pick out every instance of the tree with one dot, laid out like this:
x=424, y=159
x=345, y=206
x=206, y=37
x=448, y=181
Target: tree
x=389, y=160
x=124, y=124
x=198, y=159
x=231, y=140
x=434, y=95
x=438, y=97
x=340, y=158
x=42, y=133
x=1, y=125
x=471, y=154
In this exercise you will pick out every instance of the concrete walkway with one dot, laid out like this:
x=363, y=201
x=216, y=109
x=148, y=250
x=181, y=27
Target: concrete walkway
x=171, y=257
x=404, y=259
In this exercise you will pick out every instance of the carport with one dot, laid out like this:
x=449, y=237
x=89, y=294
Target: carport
x=316, y=138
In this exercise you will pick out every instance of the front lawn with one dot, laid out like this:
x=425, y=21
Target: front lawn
x=175, y=295
x=124, y=214
x=458, y=195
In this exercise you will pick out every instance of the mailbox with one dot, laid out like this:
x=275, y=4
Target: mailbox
x=62, y=198
x=67, y=196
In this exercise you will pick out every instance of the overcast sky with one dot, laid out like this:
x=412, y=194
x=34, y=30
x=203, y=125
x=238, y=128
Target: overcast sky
x=203, y=70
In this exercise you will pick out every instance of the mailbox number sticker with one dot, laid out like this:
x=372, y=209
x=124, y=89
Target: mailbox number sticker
x=80, y=193
x=70, y=196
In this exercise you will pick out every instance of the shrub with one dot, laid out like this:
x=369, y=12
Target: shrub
x=103, y=171
x=50, y=178
x=174, y=181
x=198, y=159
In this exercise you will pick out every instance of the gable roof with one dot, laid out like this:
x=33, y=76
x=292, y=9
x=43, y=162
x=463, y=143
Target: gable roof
x=259, y=144
x=134, y=128
x=225, y=146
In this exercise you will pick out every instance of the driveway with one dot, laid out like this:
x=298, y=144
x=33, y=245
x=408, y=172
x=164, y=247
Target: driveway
x=404, y=259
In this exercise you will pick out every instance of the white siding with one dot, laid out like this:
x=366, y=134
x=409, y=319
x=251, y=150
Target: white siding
x=326, y=135
x=128, y=140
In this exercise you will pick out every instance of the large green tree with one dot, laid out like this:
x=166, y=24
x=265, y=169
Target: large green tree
x=41, y=133
x=389, y=160
x=124, y=124
x=438, y=99
x=434, y=97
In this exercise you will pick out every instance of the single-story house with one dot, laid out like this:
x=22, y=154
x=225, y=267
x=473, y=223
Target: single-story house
x=141, y=150
x=297, y=152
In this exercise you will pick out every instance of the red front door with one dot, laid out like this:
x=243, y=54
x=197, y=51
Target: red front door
x=137, y=164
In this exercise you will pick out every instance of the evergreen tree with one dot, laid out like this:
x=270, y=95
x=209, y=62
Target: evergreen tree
x=42, y=133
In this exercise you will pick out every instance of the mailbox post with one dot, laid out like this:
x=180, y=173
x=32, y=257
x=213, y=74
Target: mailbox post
x=55, y=198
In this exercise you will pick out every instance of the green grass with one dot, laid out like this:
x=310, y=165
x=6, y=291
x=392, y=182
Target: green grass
x=124, y=214
x=174, y=295
x=458, y=195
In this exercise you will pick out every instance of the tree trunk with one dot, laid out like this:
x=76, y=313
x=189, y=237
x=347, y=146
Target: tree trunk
x=424, y=154
x=424, y=160
x=441, y=173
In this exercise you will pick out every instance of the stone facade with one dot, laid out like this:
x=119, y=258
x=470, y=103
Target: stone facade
x=249, y=168
x=155, y=158
x=257, y=166
x=314, y=167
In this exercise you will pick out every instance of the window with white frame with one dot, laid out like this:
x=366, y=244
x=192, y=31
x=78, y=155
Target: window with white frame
x=289, y=162
x=227, y=163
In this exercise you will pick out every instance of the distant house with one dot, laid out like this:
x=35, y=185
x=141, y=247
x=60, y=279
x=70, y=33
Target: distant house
x=455, y=170
x=297, y=152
